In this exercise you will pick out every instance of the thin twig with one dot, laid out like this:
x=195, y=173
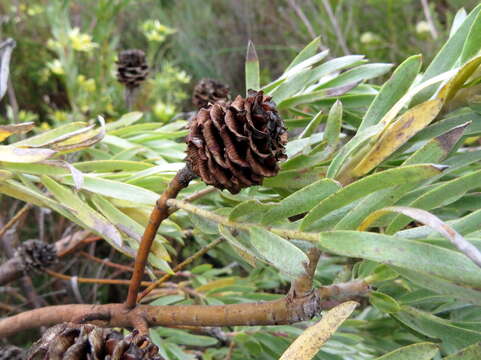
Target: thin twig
x=335, y=25
x=179, y=267
x=14, y=219
x=303, y=17
x=159, y=213
x=429, y=19
x=93, y=280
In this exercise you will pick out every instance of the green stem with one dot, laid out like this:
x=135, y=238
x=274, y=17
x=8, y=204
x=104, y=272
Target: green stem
x=285, y=233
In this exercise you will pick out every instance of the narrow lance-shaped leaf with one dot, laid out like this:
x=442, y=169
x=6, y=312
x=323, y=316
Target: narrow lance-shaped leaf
x=282, y=254
x=472, y=352
x=434, y=151
x=408, y=254
x=368, y=185
x=333, y=125
x=447, y=57
x=307, y=345
x=311, y=127
x=7, y=130
x=252, y=68
x=302, y=200
x=392, y=90
x=14, y=154
x=420, y=351
x=440, y=195
x=397, y=134
x=437, y=328
x=433, y=222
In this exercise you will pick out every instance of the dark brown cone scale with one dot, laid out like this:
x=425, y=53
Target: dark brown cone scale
x=132, y=68
x=70, y=341
x=209, y=91
x=236, y=145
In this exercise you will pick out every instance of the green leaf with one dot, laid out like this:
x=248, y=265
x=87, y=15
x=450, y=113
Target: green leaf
x=301, y=201
x=249, y=211
x=317, y=95
x=441, y=195
x=366, y=186
x=312, y=126
x=89, y=217
x=279, y=252
x=132, y=229
x=116, y=190
x=50, y=135
x=452, y=337
x=472, y=43
x=408, y=254
x=252, y=68
x=309, y=51
x=420, y=351
x=392, y=91
x=358, y=74
x=448, y=56
x=333, y=125
x=472, y=352
x=125, y=120
x=442, y=286
x=384, y=302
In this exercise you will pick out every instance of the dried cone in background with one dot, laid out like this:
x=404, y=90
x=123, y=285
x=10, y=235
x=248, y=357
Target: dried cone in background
x=132, y=68
x=81, y=342
x=209, y=91
x=36, y=255
x=236, y=145
x=11, y=352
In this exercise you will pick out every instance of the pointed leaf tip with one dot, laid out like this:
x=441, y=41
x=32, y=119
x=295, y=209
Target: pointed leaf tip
x=251, y=52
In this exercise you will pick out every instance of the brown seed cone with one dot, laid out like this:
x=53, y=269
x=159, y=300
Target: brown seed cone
x=11, y=352
x=236, y=145
x=70, y=341
x=132, y=68
x=36, y=255
x=209, y=91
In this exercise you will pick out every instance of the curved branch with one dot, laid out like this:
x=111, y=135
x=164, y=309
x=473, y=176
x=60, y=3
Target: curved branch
x=283, y=311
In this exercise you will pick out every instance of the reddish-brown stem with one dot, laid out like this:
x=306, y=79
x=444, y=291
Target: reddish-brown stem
x=283, y=311
x=159, y=213
x=179, y=267
x=93, y=280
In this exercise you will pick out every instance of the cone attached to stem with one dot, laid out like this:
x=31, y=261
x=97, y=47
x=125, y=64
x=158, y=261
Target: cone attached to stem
x=236, y=145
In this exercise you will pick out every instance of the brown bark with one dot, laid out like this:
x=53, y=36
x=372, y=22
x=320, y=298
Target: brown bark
x=11, y=270
x=159, y=213
x=283, y=311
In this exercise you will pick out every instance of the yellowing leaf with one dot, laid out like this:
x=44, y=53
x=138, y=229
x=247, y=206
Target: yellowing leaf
x=5, y=175
x=7, y=130
x=14, y=154
x=306, y=346
x=408, y=124
x=449, y=90
x=216, y=284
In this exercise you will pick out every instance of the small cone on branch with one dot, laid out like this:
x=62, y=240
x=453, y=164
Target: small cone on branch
x=209, y=91
x=236, y=145
x=70, y=341
x=132, y=68
x=36, y=255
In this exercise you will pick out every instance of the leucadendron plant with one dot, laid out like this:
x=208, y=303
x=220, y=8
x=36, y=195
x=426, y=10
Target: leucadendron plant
x=373, y=198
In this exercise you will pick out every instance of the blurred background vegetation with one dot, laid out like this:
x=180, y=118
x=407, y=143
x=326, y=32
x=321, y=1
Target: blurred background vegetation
x=63, y=66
